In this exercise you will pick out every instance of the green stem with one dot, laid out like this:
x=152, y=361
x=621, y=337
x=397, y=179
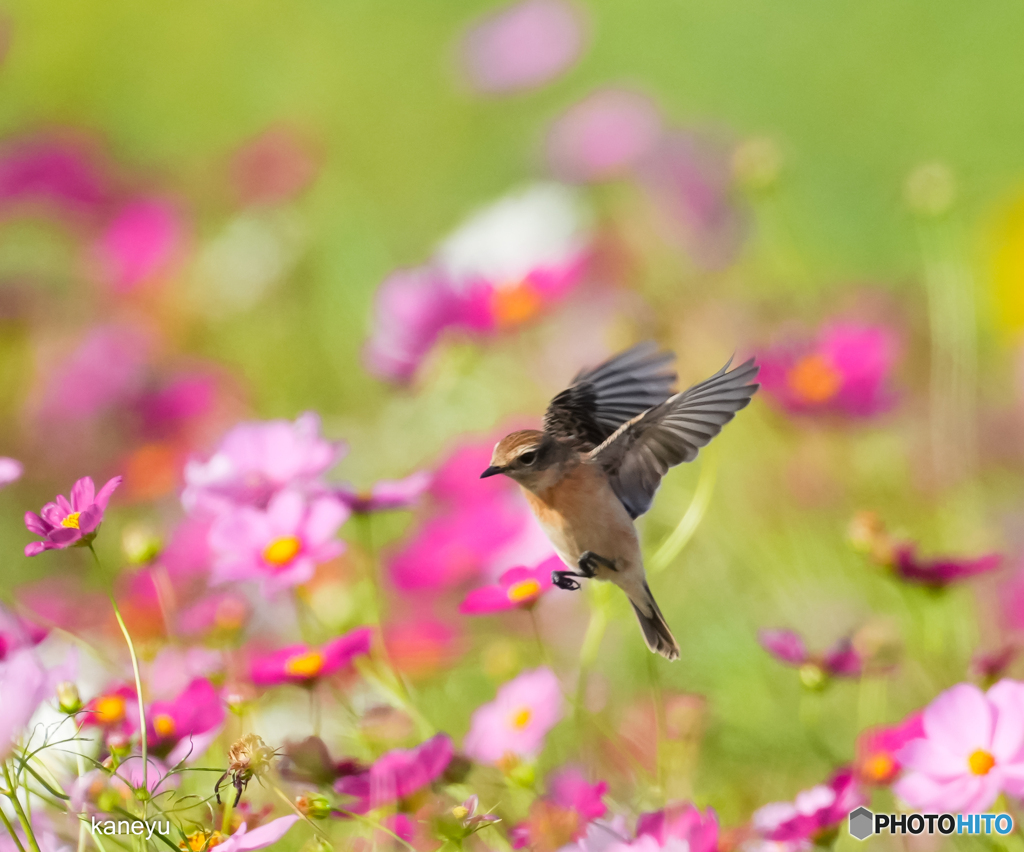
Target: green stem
x=694, y=514
x=26, y=825
x=138, y=692
x=11, y=831
x=225, y=822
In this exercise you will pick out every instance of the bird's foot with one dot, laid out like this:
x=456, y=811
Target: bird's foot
x=590, y=561
x=564, y=580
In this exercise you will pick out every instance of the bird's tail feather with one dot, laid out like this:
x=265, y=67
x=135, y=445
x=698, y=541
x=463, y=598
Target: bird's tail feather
x=656, y=633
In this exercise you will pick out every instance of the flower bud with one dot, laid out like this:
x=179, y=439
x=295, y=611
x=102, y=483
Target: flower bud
x=314, y=806
x=68, y=699
x=813, y=676
x=140, y=544
x=119, y=744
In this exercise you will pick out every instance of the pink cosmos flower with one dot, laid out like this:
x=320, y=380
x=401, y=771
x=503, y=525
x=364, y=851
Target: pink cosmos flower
x=813, y=814
x=603, y=136
x=266, y=835
x=138, y=243
x=396, y=775
x=386, y=494
x=115, y=709
x=680, y=822
x=517, y=588
x=845, y=370
x=303, y=665
x=184, y=398
x=10, y=470
x=876, y=761
x=256, y=460
x=518, y=719
x=562, y=816
x=971, y=751
x=939, y=573
x=24, y=685
x=522, y=46
x=187, y=725
x=279, y=546
x=71, y=523
x=815, y=669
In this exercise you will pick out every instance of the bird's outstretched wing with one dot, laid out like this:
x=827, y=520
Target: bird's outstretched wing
x=600, y=400
x=641, y=451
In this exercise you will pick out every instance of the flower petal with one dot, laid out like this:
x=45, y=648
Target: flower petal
x=961, y=719
x=90, y=519
x=83, y=494
x=104, y=496
x=1008, y=735
x=267, y=834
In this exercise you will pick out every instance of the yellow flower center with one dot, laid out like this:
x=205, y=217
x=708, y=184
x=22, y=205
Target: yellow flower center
x=71, y=520
x=981, y=762
x=515, y=304
x=814, y=379
x=164, y=725
x=200, y=840
x=307, y=665
x=460, y=812
x=879, y=767
x=521, y=719
x=524, y=590
x=109, y=710
x=283, y=550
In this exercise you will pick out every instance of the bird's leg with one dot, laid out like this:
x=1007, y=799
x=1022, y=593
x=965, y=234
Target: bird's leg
x=564, y=580
x=589, y=561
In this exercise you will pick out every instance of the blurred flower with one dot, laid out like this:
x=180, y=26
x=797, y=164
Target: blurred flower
x=167, y=410
x=242, y=840
x=518, y=719
x=815, y=814
x=138, y=244
x=301, y=664
x=52, y=171
x=110, y=710
x=517, y=588
x=256, y=460
x=680, y=822
x=17, y=633
x=876, y=761
x=107, y=368
x=386, y=494
x=689, y=183
x=990, y=667
x=788, y=647
x=10, y=470
x=187, y=725
x=569, y=788
x=221, y=612
x=70, y=523
x=844, y=371
x=503, y=267
x=522, y=46
x=469, y=819
x=603, y=136
x=272, y=168
x=562, y=816
x=420, y=646
x=309, y=762
x=396, y=775
x=938, y=573
x=24, y=685
x=971, y=751
x=279, y=546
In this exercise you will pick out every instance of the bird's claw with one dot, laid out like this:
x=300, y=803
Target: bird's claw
x=564, y=581
x=589, y=561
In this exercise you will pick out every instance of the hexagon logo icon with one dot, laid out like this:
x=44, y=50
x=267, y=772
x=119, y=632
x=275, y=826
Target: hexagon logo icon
x=862, y=823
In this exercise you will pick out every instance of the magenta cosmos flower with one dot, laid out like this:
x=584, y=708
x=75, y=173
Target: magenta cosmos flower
x=279, y=546
x=603, y=136
x=70, y=523
x=562, y=816
x=303, y=665
x=517, y=721
x=680, y=822
x=10, y=470
x=845, y=371
x=256, y=460
x=972, y=750
x=522, y=46
x=815, y=669
x=876, y=761
x=115, y=709
x=939, y=573
x=814, y=814
x=138, y=244
x=187, y=725
x=386, y=494
x=517, y=588
x=396, y=775
x=52, y=171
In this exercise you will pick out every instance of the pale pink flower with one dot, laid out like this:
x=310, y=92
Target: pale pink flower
x=813, y=813
x=523, y=45
x=256, y=460
x=972, y=750
x=517, y=721
x=10, y=470
x=386, y=494
x=279, y=546
x=265, y=835
x=138, y=244
x=680, y=823
x=24, y=685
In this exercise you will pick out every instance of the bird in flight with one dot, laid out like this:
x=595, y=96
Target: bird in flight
x=607, y=442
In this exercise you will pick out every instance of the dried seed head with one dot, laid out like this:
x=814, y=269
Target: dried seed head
x=250, y=755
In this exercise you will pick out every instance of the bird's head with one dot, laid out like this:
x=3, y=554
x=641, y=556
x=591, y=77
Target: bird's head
x=523, y=456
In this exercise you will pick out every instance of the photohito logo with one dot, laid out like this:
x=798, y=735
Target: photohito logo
x=864, y=823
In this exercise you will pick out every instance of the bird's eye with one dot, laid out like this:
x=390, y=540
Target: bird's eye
x=528, y=458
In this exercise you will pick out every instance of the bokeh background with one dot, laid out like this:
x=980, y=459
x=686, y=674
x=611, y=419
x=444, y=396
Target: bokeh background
x=220, y=212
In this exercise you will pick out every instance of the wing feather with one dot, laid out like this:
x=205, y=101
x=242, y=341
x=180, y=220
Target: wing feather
x=640, y=452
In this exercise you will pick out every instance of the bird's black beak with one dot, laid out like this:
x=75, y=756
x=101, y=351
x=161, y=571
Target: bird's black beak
x=492, y=471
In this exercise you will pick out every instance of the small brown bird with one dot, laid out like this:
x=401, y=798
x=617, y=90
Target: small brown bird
x=607, y=442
